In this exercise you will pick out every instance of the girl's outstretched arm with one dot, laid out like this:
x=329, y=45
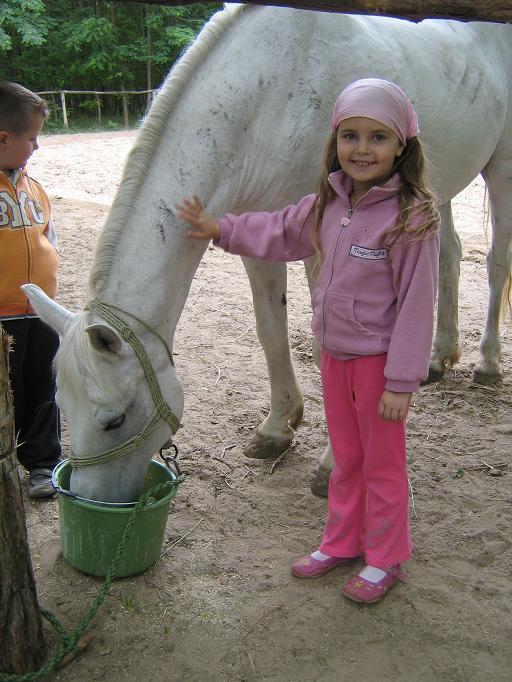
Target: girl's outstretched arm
x=205, y=226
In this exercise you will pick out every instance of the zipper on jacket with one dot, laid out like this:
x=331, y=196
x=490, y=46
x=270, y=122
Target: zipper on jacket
x=343, y=223
x=346, y=221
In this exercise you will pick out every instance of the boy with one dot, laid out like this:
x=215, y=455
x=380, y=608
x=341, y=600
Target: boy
x=28, y=254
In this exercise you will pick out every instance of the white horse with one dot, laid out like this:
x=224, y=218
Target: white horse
x=241, y=121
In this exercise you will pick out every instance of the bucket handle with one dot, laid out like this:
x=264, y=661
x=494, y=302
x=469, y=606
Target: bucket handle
x=171, y=461
x=62, y=491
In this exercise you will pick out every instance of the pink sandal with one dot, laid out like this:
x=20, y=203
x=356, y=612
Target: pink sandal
x=365, y=592
x=308, y=567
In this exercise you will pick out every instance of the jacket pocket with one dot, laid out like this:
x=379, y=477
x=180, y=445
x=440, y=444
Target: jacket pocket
x=343, y=333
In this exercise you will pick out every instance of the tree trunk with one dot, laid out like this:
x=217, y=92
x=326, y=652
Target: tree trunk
x=22, y=648
x=415, y=10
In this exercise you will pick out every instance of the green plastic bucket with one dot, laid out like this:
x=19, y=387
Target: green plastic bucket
x=90, y=531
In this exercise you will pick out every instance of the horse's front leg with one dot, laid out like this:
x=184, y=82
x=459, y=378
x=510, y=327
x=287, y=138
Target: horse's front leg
x=276, y=431
x=497, y=176
x=320, y=482
x=446, y=350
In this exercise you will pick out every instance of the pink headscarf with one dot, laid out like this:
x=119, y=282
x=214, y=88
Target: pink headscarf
x=378, y=99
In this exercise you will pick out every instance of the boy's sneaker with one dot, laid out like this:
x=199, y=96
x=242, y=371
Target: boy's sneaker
x=40, y=483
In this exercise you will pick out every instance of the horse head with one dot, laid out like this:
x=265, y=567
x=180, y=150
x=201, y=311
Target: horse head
x=118, y=388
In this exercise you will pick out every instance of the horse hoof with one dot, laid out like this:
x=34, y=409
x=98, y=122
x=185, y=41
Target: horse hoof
x=320, y=484
x=264, y=447
x=433, y=376
x=487, y=379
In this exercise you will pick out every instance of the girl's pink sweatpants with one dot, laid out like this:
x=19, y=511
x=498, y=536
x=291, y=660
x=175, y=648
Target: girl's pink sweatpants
x=368, y=505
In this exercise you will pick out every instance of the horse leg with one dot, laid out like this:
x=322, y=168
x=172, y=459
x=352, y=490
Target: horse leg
x=497, y=176
x=276, y=431
x=446, y=350
x=320, y=482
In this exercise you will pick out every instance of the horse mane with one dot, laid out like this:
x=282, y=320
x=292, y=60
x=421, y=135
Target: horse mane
x=142, y=152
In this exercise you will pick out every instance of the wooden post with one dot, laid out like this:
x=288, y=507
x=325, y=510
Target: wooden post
x=149, y=76
x=22, y=644
x=54, y=112
x=98, y=103
x=63, y=105
x=126, y=121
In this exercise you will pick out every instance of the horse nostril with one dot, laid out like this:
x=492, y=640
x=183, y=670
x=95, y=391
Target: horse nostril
x=114, y=423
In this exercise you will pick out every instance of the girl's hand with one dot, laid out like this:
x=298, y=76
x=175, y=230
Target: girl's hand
x=394, y=406
x=206, y=227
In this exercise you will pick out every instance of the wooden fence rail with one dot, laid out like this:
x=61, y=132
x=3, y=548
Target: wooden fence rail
x=98, y=94
x=415, y=10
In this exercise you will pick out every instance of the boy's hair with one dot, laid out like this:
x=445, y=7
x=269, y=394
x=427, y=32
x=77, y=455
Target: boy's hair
x=418, y=205
x=16, y=106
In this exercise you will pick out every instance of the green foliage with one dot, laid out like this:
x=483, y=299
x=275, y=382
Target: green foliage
x=23, y=19
x=94, y=45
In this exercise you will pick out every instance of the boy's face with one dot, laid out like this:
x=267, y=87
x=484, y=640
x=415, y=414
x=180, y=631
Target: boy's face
x=16, y=149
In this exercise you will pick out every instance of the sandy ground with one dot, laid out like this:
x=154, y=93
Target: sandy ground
x=221, y=604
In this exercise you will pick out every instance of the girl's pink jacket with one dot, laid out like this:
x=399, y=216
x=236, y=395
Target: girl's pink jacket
x=368, y=299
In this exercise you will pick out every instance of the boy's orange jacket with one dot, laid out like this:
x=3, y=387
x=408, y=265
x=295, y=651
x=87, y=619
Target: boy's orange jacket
x=27, y=254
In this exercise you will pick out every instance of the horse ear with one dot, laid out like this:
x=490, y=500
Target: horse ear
x=104, y=339
x=55, y=315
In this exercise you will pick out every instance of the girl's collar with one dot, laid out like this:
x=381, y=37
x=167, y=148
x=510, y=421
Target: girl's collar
x=342, y=185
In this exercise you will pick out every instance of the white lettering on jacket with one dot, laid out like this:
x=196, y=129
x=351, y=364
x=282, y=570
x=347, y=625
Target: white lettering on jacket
x=14, y=214
x=368, y=254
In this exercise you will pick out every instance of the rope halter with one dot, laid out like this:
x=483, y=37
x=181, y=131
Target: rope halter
x=162, y=411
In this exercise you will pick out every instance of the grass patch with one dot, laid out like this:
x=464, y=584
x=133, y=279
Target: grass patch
x=86, y=124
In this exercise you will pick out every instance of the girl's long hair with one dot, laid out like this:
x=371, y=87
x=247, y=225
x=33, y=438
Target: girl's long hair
x=415, y=200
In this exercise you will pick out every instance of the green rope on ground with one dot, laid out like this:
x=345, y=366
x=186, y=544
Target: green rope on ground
x=68, y=642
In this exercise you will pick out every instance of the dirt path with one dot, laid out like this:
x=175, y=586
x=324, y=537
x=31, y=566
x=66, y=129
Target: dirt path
x=221, y=604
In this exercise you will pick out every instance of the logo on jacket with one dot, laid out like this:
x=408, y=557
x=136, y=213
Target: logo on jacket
x=368, y=254
x=22, y=213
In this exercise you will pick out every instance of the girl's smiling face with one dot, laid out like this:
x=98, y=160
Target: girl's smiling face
x=367, y=150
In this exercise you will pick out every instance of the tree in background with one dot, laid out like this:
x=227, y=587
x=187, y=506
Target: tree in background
x=94, y=45
x=22, y=22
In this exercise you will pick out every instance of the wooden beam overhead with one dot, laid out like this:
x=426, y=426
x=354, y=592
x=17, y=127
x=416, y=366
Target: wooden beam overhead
x=499, y=11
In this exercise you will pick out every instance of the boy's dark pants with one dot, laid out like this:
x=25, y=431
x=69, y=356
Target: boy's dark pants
x=36, y=416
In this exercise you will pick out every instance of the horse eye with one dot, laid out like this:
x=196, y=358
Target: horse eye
x=114, y=423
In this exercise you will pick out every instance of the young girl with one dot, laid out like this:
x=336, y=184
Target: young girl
x=373, y=224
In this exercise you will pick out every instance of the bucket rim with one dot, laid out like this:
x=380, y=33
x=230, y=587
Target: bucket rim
x=99, y=503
